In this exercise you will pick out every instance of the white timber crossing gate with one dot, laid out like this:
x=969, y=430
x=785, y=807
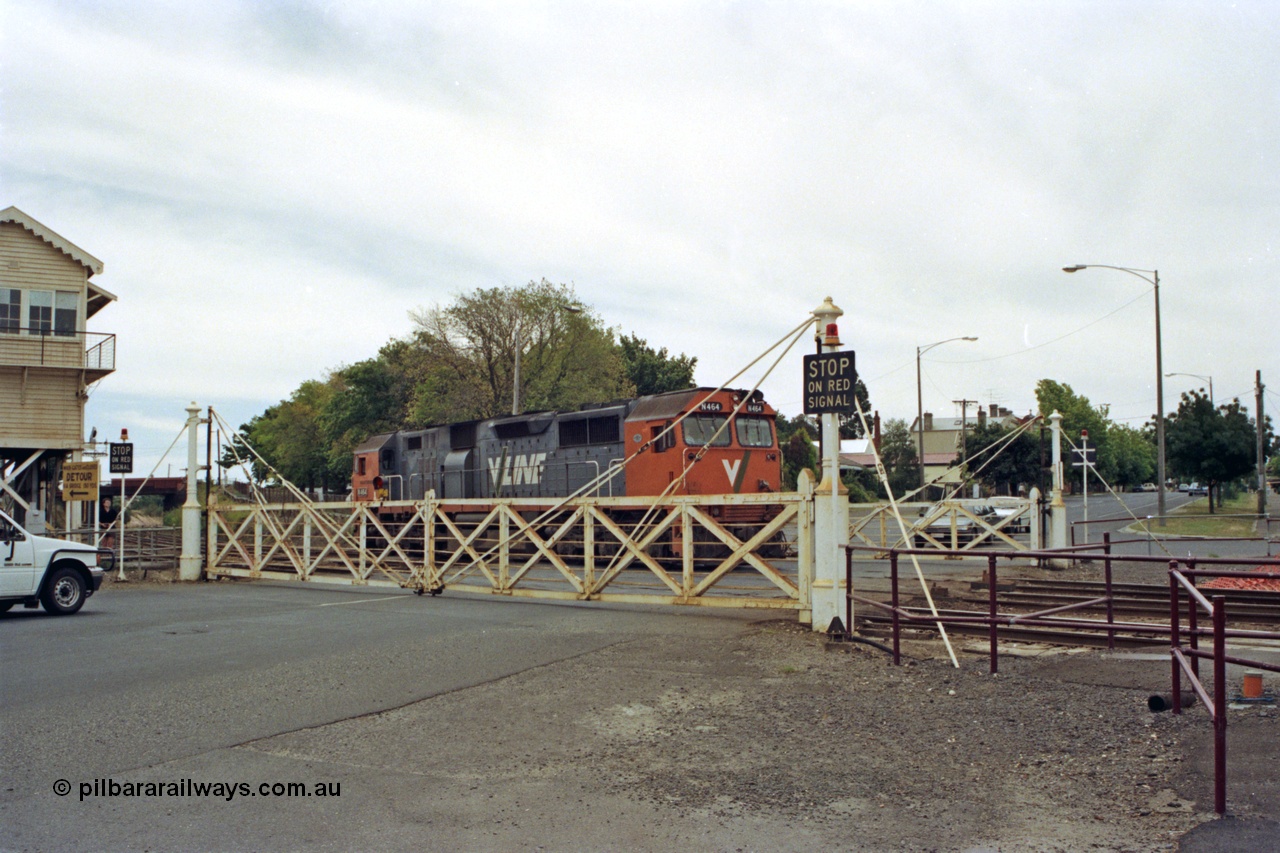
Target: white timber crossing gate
x=676, y=550
x=673, y=550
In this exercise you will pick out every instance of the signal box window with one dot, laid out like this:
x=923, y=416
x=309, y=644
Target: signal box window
x=699, y=430
x=10, y=310
x=754, y=432
x=360, y=465
x=51, y=312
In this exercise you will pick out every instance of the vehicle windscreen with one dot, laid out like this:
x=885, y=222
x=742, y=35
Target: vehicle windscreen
x=754, y=432
x=698, y=430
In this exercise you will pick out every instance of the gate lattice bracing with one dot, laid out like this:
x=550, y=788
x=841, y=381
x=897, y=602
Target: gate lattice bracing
x=950, y=526
x=712, y=550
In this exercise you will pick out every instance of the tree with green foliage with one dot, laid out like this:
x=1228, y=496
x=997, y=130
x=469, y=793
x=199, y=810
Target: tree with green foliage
x=899, y=457
x=1015, y=465
x=1078, y=414
x=468, y=350
x=653, y=371
x=291, y=438
x=863, y=486
x=851, y=425
x=1130, y=454
x=1211, y=445
x=798, y=453
x=1125, y=455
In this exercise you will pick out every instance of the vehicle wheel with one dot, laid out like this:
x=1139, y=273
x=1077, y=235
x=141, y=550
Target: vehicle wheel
x=64, y=593
x=5, y=605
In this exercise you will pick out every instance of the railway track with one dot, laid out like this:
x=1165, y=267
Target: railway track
x=1132, y=599
x=1141, y=611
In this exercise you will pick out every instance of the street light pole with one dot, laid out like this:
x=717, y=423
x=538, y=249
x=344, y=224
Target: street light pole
x=1154, y=281
x=920, y=397
x=1208, y=379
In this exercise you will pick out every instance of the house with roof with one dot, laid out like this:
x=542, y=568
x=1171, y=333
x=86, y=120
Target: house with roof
x=943, y=438
x=48, y=360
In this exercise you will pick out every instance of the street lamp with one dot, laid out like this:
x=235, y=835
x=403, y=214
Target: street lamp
x=920, y=396
x=1208, y=379
x=1154, y=281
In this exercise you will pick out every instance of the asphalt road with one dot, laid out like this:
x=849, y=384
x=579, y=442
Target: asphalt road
x=156, y=682
x=1109, y=514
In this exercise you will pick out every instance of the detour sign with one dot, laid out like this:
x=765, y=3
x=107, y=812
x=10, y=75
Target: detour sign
x=80, y=481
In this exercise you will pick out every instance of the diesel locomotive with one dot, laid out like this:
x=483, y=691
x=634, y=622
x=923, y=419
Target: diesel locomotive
x=556, y=454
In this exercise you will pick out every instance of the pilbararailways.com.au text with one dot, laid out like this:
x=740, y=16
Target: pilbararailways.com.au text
x=191, y=788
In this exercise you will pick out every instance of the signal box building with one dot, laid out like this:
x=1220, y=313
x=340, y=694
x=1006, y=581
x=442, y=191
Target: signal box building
x=48, y=360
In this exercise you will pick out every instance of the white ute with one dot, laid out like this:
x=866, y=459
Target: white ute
x=38, y=570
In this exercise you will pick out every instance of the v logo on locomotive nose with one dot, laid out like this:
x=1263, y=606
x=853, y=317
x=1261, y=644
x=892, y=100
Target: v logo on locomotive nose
x=731, y=468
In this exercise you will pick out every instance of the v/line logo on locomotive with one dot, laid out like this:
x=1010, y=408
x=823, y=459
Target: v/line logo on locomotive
x=554, y=454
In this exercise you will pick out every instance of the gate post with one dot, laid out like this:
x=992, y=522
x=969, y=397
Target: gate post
x=804, y=544
x=1057, y=509
x=831, y=526
x=189, y=564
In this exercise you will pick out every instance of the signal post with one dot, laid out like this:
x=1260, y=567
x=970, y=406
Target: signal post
x=829, y=380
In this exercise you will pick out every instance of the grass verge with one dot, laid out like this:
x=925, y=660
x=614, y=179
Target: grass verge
x=1193, y=519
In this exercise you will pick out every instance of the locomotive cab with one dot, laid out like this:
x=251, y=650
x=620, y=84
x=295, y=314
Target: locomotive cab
x=374, y=467
x=738, y=452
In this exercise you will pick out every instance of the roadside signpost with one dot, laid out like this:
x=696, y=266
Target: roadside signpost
x=122, y=463
x=122, y=457
x=79, y=481
x=1084, y=458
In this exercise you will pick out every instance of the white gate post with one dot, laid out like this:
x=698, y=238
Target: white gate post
x=1033, y=518
x=831, y=527
x=189, y=564
x=1057, y=509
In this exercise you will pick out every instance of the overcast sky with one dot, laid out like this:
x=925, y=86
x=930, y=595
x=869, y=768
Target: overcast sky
x=274, y=186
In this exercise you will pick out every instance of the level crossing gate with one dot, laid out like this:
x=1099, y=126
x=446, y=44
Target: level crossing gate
x=751, y=550
x=949, y=526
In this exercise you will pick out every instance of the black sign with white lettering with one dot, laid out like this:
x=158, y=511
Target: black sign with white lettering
x=1077, y=456
x=829, y=380
x=122, y=458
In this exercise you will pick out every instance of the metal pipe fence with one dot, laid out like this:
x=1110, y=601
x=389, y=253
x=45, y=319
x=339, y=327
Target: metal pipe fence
x=1182, y=630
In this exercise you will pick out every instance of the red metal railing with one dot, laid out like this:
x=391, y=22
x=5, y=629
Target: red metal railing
x=1185, y=656
x=1185, y=660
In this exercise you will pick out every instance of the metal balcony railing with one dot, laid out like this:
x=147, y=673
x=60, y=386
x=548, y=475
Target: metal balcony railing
x=21, y=346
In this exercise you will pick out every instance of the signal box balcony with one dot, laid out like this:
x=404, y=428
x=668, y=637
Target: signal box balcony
x=94, y=353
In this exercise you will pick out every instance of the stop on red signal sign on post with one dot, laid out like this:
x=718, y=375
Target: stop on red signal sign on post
x=829, y=380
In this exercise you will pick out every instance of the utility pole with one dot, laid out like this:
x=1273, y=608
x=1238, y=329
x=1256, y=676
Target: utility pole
x=1262, y=457
x=964, y=421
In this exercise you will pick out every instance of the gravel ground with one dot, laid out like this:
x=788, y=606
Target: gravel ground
x=921, y=757
x=775, y=738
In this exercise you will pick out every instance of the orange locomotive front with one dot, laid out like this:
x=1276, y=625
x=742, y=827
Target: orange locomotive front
x=730, y=454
